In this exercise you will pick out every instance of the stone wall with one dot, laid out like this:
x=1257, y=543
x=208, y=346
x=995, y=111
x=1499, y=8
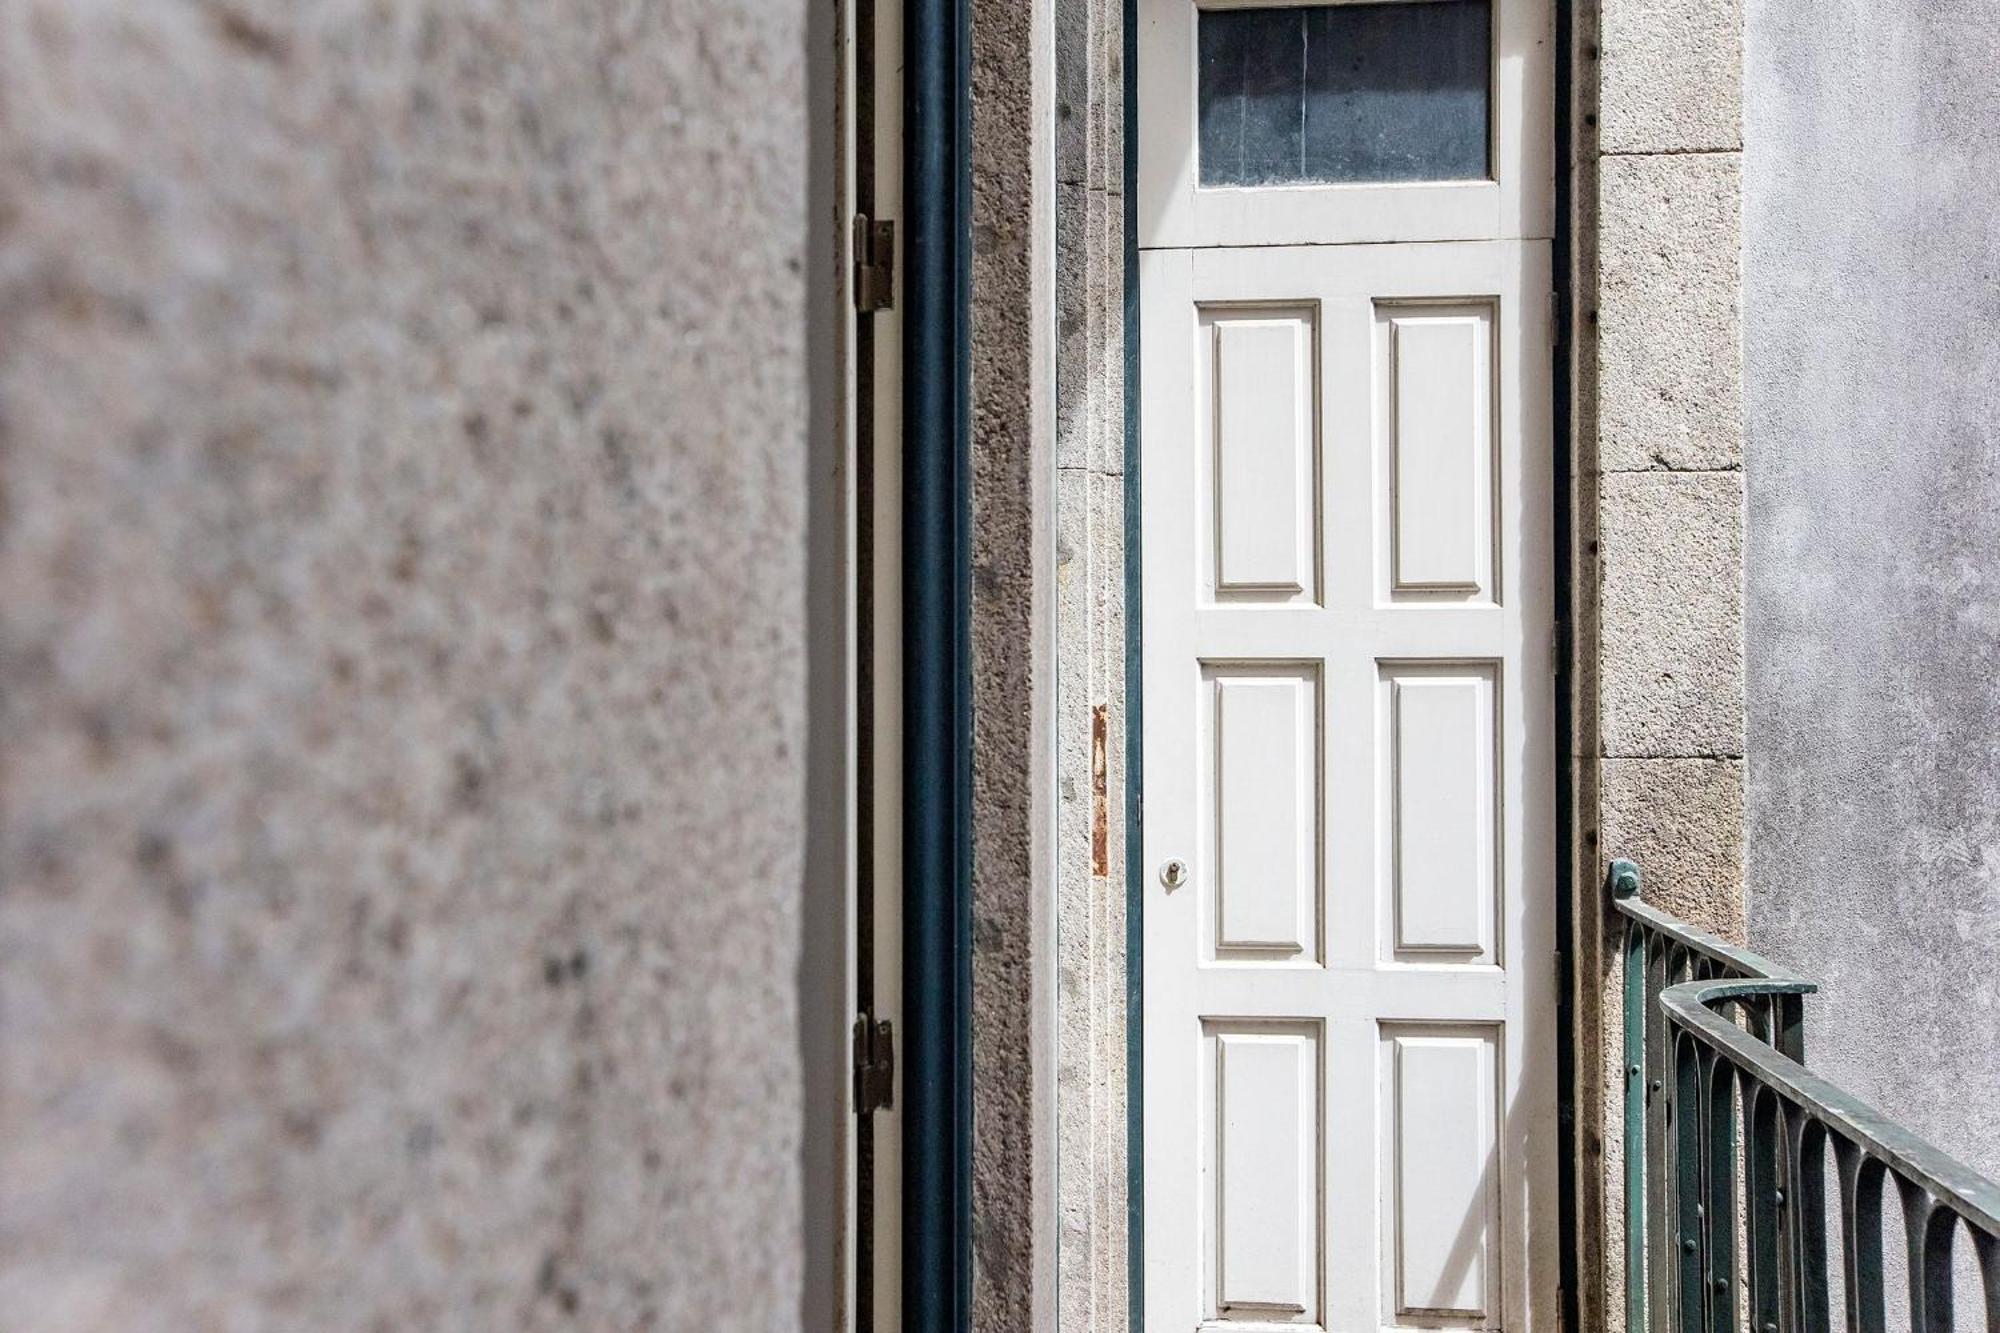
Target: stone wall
x=1658, y=508
x=1872, y=184
x=1013, y=678
x=1669, y=448
x=402, y=639
x=1092, y=723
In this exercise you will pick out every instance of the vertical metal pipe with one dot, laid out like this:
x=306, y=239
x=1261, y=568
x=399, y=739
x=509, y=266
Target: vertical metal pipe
x=937, y=945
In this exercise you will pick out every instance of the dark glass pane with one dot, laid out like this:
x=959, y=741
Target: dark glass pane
x=1353, y=92
x=1253, y=86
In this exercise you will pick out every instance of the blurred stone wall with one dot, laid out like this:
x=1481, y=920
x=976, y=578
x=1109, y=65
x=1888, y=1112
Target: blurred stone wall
x=401, y=430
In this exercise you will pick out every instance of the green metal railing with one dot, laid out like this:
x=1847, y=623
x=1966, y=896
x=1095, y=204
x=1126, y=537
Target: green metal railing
x=1716, y=1084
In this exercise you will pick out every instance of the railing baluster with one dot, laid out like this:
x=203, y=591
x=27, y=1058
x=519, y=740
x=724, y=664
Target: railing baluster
x=1860, y=1236
x=1757, y=1017
x=1659, y=1111
x=1987, y=1247
x=1636, y=971
x=1805, y=1204
x=1680, y=1165
x=1927, y=1230
x=1765, y=1198
x=1718, y=1087
x=1688, y=1302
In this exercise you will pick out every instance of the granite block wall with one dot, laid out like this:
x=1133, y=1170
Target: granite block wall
x=1658, y=520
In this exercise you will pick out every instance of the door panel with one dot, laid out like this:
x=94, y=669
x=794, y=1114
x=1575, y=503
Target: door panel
x=1443, y=794
x=1267, y=1133
x=1437, y=419
x=1263, y=748
x=1441, y=1103
x=1264, y=456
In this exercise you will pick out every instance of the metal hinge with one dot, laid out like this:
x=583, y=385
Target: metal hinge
x=874, y=1065
x=874, y=264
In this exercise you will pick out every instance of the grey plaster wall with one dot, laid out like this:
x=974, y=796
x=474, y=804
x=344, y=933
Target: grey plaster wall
x=402, y=423
x=1872, y=397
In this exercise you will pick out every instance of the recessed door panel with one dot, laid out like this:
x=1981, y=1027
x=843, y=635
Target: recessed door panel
x=1441, y=797
x=1260, y=377
x=1263, y=1174
x=1264, y=743
x=1440, y=1100
x=1437, y=411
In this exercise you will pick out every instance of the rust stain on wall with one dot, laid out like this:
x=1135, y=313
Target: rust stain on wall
x=1100, y=817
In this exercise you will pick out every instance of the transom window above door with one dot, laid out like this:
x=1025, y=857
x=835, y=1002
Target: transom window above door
x=1326, y=122
x=1336, y=93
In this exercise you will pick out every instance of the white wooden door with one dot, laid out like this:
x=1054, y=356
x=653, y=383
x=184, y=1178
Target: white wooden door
x=1346, y=470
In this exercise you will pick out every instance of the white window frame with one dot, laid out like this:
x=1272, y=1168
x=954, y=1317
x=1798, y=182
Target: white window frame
x=1176, y=211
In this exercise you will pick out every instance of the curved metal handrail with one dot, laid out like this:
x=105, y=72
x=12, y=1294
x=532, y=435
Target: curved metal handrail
x=1954, y=1184
x=1680, y=1165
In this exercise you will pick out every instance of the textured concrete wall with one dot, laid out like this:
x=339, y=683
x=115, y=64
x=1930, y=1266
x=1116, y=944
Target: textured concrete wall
x=1872, y=219
x=403, y=660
